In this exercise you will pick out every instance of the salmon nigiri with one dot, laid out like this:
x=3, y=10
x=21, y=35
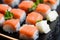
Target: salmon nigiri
x=2, y=20
x=4, y=8
x=53, y=3
x=33, y=17
x=11, y=2
x=19, y=14
x=11, y=25
x=43, y=9
x=26, y=5
x=28, y=32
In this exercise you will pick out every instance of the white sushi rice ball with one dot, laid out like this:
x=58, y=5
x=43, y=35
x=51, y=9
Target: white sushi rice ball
x=43, y=26
x=23, y=17
x=2, y=21
x=51, y=16
x=15, y=2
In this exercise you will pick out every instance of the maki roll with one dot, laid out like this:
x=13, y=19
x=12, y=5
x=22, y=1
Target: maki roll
x=26, y=5
x=43, y=9
x=4, y=8
x=19, y=14
x=43, y=26
x=2, y=20
x=52, y=16
x=11, y=25
x=12, y=3
x=31, y=33
x=33, y=17
x=52, y=3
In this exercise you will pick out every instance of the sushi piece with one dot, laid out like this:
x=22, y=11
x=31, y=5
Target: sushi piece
x=12, y=3
x=11, y=25
x=52, y=16
x=28, y=32
x=43, y=26
x=26, y=5
x=2, y=20
x=43, y=9
x=19, y=14
x=33, y=17
x=52, y=3
x=4, y=8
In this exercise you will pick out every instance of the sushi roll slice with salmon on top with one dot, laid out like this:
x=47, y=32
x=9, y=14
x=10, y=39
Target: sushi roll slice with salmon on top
x=12, y=3
x=11, y=25
x=53, y=3
x=31, y=33
x=19, y=14
x=2, y=20
x=43, y=27
x=33, y=17
x=4, y=8
x=27, y=5
x=45, y=10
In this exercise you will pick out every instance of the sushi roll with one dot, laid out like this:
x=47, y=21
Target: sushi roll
x=43, y=26
x=19, y=14
x=11, y=25
x=26, y=5
x=4, y=8
x=52, y=3
x=52, y=16
x=28, y=32
x=33, y=17
x=43, y=9
x=2, y=20
x=12, y=3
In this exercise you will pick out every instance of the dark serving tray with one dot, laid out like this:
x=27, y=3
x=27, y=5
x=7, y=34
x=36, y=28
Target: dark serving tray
x=54, y=34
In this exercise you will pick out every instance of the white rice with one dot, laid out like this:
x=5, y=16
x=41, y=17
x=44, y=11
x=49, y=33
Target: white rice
x=2, y=21
x=23, y=17
x=15, y=3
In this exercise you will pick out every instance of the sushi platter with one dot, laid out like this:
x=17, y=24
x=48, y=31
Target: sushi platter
x=29, y=19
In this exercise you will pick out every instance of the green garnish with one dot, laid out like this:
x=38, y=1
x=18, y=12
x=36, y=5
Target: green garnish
x=33, y=8
x=8, y=15
x=37, y=2
x=38, y=21
x=41, y=1
x=35, y=5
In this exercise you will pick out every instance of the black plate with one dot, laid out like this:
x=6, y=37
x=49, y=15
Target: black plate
x=54, y=34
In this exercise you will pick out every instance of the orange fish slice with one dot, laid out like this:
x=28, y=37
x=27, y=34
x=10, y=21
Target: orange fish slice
x=33, y=17
x=25, y=5
x=4, y=8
